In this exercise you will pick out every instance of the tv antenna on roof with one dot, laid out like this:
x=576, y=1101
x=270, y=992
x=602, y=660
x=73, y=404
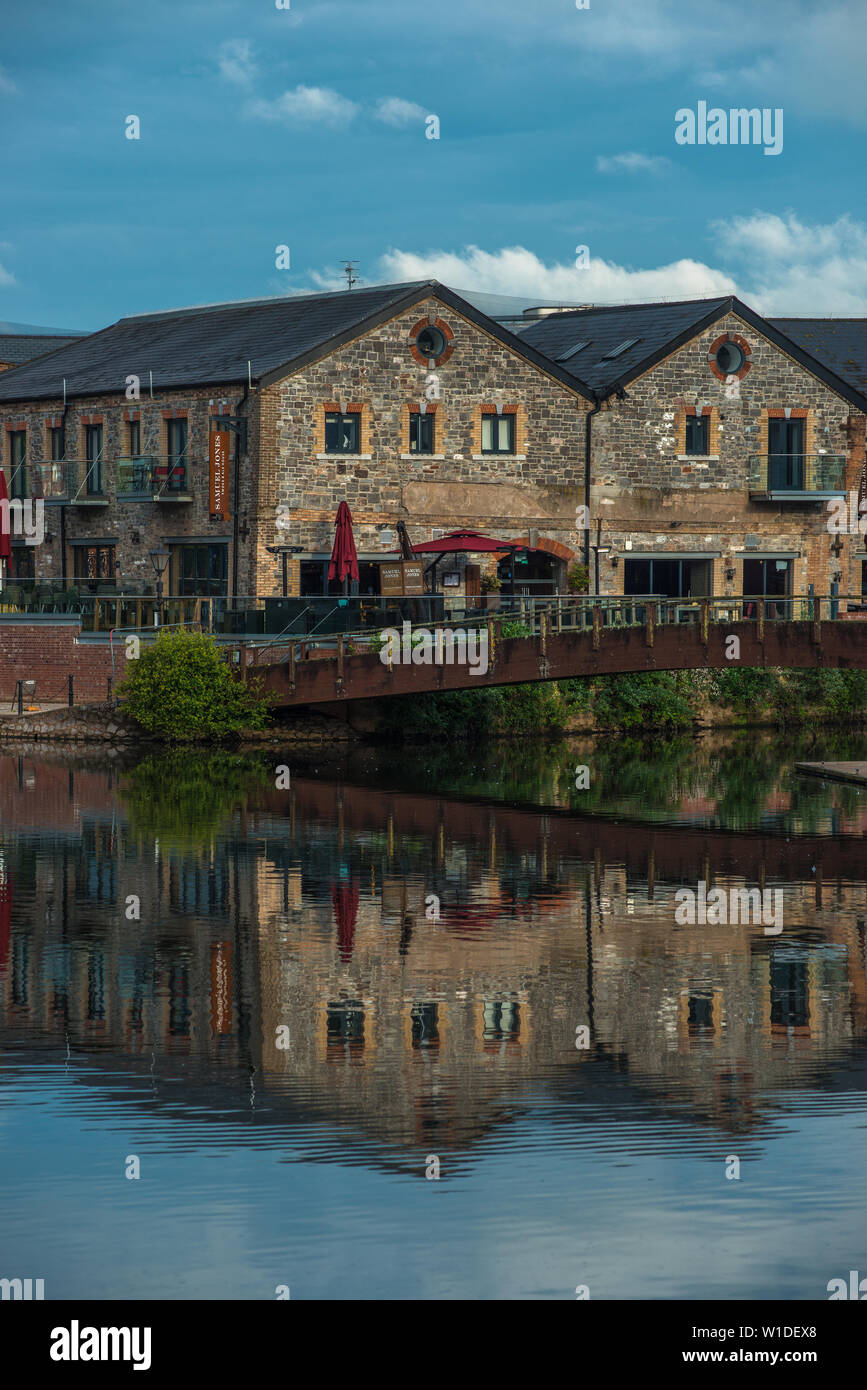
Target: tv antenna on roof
x=348, y=267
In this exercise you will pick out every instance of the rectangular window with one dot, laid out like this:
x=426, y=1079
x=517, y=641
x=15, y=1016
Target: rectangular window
x=864, y=578
x=94, y=564
x=421, y=433
x=134, y=440
x=498, y=434
x=201, y=569
x=342, y=433
x=18, y=463
x=93, y=457
x=55, y=443
x=175, y=475
x=697, y=434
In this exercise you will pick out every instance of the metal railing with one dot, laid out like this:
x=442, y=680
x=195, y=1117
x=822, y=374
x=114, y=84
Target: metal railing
x=160, y=477
x=797, y=475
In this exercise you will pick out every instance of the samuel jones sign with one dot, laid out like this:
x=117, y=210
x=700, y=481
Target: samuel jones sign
x=400, y=577
x=219, y=473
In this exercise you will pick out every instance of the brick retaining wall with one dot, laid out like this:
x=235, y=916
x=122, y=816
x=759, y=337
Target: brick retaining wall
x=49, y=653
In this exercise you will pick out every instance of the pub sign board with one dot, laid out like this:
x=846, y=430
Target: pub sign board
x=219, y=473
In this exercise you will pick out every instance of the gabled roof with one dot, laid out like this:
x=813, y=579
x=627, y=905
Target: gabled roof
x=661, y=329
x=211, y=345
x=840, y=343
x=656, y=327
x=23, y=347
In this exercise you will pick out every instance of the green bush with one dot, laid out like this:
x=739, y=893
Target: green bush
x=650, y=700
x=180, y=689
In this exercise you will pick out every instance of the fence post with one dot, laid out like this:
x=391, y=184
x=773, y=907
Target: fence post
x=71, y=700
x=705, y=616
x=649, y=625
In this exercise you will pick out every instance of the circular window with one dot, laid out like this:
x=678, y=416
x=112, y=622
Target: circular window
x=431, y=341
x=729, y=358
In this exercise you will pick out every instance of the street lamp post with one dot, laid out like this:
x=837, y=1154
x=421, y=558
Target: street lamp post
x=159, y=559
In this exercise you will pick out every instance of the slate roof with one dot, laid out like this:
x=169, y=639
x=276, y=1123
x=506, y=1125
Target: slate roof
x=836, y=355
x=211, y=344
x=840, y=343
x=23, y=347
x=656, y=326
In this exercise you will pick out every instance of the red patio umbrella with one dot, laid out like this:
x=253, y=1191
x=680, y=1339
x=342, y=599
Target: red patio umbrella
x=344, y=896
x=5, y=524
x=469, y=541
x=344, y=559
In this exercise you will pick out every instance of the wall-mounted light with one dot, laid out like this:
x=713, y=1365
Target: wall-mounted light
x=615, y=561
x=730, y=572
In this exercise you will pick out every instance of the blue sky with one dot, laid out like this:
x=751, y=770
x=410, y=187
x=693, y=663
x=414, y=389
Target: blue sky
x=306, y=127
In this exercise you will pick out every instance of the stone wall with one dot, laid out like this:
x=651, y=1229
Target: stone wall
x=648, y=492
x=539, y=486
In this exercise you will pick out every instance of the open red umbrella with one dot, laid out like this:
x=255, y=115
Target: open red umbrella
x=344, y=559
x=5, y=525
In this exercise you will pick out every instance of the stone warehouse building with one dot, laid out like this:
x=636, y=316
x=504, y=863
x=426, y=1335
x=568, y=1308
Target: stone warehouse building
x=717, y=441
x=702, y=441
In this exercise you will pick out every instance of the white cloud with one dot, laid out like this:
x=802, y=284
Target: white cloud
x=306, y=105
x=515, y=270
x=236, y=61
x=395, y=111
x=6, y=276
x=7, y=86
x=791, y=267
x=778, y=264
x=631, y=164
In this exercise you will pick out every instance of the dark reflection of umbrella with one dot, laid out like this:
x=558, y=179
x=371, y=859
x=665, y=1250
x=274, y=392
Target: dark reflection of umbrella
x=5, y=917
x=344, y=558
x=344, y=896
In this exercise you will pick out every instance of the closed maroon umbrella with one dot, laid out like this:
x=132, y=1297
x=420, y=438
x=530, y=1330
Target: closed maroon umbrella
x=344, y=896
x=344, y=559
x=5, y=525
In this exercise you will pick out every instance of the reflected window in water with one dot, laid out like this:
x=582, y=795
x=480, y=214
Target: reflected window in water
x=21, y=971
x=502, y=1023
x=700, y=1013
x=179, y=1002
x=790, y=994
x=345, y=1027
x=425, y=1029
x=96, y=987
x=199, y=888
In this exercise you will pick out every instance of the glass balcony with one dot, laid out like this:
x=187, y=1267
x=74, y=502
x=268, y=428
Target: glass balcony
x=73, y=482
x=153, y=477
x=796, y=477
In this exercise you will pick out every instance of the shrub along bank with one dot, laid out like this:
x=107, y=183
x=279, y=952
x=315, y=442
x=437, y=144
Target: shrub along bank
x=656, y=700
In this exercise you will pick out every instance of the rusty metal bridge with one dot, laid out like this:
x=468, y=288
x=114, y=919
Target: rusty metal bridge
x=558, y=638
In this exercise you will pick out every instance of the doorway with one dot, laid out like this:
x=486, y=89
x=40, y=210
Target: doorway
x=786, y=455
x=770, y=578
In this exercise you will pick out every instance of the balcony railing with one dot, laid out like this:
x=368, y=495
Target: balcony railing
x=159, y=477
x=72, y=481
x=797, y=477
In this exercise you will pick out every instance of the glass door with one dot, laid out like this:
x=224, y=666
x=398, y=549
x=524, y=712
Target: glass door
x=786, y=455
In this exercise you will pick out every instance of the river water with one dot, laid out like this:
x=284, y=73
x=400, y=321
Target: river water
x=423, y=1024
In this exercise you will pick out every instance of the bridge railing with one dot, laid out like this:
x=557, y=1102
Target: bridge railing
x=555, y=614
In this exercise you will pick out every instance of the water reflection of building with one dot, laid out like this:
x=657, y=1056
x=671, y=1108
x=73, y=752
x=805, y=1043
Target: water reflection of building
x=422, y=1032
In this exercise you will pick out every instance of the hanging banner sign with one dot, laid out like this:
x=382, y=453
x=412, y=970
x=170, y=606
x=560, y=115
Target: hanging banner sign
x=219, y=472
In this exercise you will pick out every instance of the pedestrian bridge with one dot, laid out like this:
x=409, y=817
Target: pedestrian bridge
x=557, y=638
